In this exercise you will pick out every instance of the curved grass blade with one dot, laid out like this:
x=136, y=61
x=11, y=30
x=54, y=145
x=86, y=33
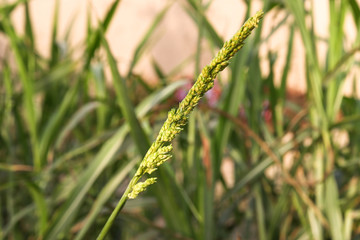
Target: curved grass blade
x=124, y=102
x=69, y=210
x=78, y=116
x=141, y=47
x=100, y=162
x=104, y=196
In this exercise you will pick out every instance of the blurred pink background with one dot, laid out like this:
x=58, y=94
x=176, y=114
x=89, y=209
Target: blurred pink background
x=176, y=36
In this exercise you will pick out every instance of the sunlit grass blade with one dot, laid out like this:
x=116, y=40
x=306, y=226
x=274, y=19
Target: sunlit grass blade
x=156, y=97
x=334, y=92
x=279, y=108
x=28, y=88
x=159, y=72
x=103, y=112
x=301, y=211
x=281, y=208
x=333, y=211
x=314, y=83
x=7, y=101
x=75, y=119
x=195, y=13
x=54, y=50
x=42, y=207
x=260, y=212
x=349, y=213
x=28, y=26
x=6, y=9
x=145, y=41
x=234, y=97
x=125, y=104
x=355, y=12
x=53, y=125
x=94, y=39
x=205, y=186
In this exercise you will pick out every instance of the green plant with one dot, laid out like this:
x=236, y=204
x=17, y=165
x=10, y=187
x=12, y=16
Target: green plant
x=159, y=151
x=258, y=161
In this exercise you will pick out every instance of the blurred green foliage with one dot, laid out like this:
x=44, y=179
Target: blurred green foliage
x=70, y=140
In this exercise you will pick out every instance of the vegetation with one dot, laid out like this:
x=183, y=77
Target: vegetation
x=68, y=150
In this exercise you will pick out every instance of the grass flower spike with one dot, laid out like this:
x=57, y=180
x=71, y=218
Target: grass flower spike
x=160, y=150
x=140, y=187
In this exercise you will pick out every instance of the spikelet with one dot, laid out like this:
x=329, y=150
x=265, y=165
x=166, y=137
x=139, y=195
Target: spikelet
x=160, y=150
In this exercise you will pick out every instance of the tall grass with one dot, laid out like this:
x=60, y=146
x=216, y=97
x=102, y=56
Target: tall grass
x=67, y=152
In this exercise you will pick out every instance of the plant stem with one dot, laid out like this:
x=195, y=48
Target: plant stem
x=117, y=210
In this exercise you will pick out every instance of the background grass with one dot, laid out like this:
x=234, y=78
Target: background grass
x=70, y=141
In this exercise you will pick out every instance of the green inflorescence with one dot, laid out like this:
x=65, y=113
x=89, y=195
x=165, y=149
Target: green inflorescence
x=160, y=150
x=140, y=187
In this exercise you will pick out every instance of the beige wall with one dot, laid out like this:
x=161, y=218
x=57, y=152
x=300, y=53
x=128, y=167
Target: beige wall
x=176, y=36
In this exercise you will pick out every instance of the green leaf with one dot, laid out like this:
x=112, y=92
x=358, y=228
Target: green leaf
x=141, y=47
x=105, y=194
x=332, y=208
x=85, y=181
x=125, y=104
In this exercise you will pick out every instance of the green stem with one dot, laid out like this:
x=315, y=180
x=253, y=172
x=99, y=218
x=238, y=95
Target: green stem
x=117, y=210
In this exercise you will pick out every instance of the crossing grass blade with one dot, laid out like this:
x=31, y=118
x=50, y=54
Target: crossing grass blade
x=28, y=88
x=54, y=50
x=103, y=112
x=145, y=41
x=333, y=210
x=125, y=104
x=28, y=26
x=77, y=117
x=195, y=13
x=42, y=212
x=94, y=38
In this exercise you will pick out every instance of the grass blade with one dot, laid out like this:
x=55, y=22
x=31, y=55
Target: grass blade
x=69, y=210
x=125, y=104
x=332, y=208
x=28, y=88
x=145, y=40
x=104, y=196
